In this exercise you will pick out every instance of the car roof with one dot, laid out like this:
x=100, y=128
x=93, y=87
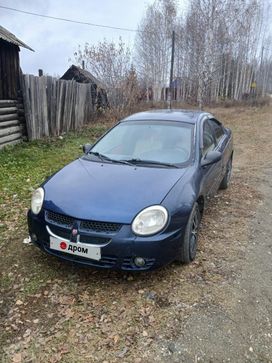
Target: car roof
x=189, y=116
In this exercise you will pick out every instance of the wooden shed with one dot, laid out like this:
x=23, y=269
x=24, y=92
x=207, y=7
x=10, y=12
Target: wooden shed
x=11, y=103
x=80, y=75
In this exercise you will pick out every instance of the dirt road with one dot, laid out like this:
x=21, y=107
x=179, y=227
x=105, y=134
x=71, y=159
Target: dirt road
x=240, y=329
x=218, y=309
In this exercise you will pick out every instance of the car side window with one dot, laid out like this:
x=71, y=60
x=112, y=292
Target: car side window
x=217, y=129
x=208, y=138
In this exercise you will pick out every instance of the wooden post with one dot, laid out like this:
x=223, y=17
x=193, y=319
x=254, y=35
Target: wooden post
x=40, y=72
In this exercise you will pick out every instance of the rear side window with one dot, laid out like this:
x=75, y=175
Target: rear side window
x=208, y=138
x=217, y=129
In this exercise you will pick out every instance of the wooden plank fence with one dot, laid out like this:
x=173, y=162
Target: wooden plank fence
x=54, y=106
x=11, y=122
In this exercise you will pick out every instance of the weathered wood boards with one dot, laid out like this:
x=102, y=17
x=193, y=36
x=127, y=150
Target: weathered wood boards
x=55, y=106
x=9, y=70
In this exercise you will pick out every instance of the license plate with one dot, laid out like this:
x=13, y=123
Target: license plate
x=78, y=249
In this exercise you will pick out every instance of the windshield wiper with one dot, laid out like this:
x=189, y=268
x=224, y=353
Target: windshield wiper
x=152, y=162
x=103, y=157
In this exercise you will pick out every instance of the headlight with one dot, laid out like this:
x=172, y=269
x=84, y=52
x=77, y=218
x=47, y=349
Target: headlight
x=37, y=200
x=150, y=220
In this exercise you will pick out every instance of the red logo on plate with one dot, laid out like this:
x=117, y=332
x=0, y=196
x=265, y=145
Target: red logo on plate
x=63, y=245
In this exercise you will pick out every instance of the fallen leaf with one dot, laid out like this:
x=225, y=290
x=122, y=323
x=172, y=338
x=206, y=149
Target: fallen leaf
x=17, y=358
x=116, y=339
x=69, y=313
x=27, y=333
x=122, y=353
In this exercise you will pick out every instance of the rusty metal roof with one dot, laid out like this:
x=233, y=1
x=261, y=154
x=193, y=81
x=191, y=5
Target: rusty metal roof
x=11, y=38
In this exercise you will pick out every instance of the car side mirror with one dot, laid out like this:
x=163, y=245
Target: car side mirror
x=86, y=148
x=211, y=157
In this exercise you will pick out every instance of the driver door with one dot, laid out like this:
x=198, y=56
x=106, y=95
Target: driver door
x=211, y=173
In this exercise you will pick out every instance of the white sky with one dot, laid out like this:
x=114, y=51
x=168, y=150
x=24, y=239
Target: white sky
x=55, y=41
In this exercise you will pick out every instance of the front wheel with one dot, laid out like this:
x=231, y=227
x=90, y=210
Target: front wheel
x=189, y=244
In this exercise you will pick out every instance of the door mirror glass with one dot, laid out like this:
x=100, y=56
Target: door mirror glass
x=211, y=157
x=86, y=148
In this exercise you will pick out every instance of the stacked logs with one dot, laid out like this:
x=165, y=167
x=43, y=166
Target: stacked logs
x=11, y=121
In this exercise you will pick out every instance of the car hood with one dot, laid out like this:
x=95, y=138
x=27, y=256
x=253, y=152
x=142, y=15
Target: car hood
x=107, y=192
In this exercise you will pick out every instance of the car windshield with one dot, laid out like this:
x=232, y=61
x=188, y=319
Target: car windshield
x=148, y=141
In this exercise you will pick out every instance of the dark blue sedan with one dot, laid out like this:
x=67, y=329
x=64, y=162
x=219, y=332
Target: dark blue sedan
x=134, y=200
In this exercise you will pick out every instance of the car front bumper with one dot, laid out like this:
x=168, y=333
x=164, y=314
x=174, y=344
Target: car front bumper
x=120, y=250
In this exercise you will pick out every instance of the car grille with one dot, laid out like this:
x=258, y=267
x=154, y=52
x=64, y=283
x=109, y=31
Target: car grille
x=100, y=226
x=65, y=233
x=94, y=240
x=88, y=226
x=59, y=219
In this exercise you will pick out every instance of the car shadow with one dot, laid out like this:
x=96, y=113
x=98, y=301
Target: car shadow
x=67, y=271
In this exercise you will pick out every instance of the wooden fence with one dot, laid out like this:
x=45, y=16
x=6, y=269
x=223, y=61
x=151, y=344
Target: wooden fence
x=11, y=122
x=55, y=106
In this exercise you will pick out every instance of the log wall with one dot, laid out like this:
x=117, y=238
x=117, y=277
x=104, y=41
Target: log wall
x=11, y=123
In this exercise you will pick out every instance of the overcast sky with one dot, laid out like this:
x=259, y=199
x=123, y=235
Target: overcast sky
x=55, y=41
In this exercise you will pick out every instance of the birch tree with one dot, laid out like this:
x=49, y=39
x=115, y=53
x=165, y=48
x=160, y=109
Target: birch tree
x=153, y=44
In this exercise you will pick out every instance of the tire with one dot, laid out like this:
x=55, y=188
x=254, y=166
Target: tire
x=226, y=180
x=190, y=240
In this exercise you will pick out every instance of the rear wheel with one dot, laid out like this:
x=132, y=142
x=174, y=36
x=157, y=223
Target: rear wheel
x=226, y=180
x=190, y=240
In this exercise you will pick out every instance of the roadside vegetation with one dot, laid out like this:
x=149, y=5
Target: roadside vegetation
x=221, y=52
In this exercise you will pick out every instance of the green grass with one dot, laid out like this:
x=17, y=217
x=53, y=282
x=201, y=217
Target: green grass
x=6, y=282
x=24, y=167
